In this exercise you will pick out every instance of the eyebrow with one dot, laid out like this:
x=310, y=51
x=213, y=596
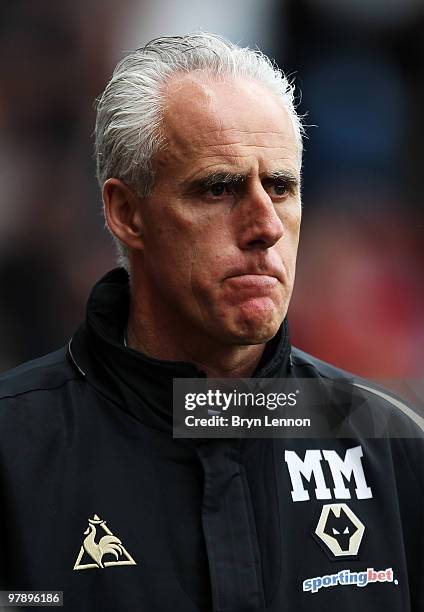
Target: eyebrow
x=285, y=175
x=212, y=178
x=231, y=178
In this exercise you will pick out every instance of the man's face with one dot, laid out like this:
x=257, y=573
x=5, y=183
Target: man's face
x=221, y=228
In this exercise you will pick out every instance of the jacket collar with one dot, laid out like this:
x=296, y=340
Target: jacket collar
x=139, y=384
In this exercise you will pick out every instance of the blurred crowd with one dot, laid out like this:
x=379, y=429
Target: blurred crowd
x=359, y=297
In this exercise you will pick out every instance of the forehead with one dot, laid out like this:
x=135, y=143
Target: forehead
x=211, y=123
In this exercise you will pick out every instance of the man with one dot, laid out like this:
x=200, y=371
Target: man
x=199, y=153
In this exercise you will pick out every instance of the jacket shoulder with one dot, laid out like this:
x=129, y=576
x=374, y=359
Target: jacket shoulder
x=384, y=401
x=42, y=374
x=312, y=366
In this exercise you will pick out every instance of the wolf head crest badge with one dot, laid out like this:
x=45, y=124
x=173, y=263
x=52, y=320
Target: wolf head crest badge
x=340, y=530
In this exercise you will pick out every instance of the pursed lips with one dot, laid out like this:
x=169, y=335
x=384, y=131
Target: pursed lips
x=253, y=279
x=255, y=275
x=252, y=285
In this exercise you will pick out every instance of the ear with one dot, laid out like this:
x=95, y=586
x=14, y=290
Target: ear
x=123, y=213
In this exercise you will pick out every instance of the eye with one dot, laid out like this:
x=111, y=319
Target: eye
x=279, y=189
x=218, y=190
x=335, y=532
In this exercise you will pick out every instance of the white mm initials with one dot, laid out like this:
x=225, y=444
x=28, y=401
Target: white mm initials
x=311, y=465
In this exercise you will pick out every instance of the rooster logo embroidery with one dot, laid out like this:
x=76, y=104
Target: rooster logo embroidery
x=108, y=544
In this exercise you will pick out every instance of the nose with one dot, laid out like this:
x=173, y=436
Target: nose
x=258, y=225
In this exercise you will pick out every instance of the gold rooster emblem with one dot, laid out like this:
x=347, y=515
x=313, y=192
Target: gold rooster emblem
x=108, y=544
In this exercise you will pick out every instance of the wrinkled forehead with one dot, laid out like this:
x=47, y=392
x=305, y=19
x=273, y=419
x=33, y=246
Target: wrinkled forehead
x=205, y=116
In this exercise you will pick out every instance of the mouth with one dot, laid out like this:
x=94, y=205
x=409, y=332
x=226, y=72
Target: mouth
x=255, y=297
x=262, y=268
x=254, y=280
x=251, y=286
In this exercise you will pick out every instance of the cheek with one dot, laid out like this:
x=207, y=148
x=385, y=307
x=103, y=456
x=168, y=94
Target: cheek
x=211, y=242
x=169, y=236
x=291, y=222
x=207, y=270
x=292, y=215
x=167, y=261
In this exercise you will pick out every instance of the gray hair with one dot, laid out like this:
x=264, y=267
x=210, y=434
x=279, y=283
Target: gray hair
x=130, y=111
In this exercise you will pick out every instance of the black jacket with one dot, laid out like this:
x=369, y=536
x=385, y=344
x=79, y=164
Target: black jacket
x=89, y=466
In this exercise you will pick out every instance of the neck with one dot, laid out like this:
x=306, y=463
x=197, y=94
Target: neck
x=164, y=341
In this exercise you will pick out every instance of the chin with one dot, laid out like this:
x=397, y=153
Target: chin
x=259, y=325
x=258, y=337
x=253, y=322
x=256, y=332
